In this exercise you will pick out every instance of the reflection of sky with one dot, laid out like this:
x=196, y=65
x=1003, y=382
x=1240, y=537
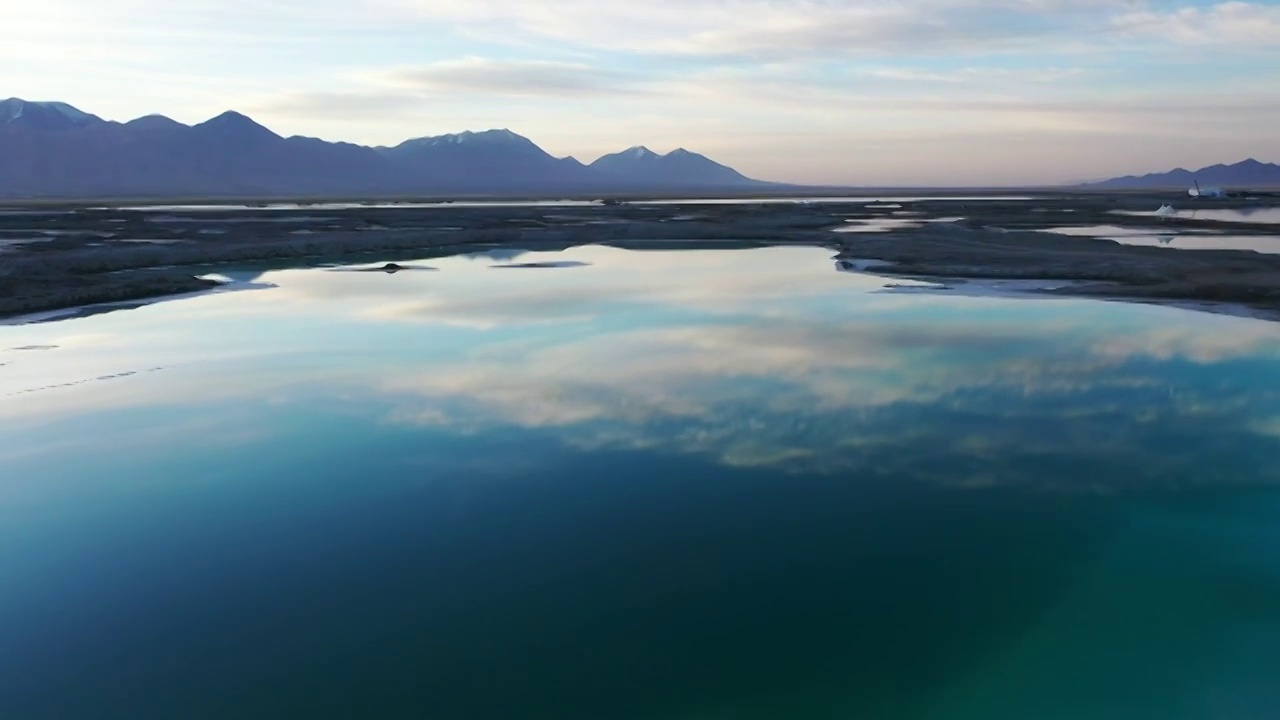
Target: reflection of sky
x=734, y=483
x=1175, y=237
x=1266, y=215
x=1248, y=215
x=760, y=357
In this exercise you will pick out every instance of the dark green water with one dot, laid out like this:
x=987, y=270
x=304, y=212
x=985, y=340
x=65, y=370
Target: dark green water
x=685, y=486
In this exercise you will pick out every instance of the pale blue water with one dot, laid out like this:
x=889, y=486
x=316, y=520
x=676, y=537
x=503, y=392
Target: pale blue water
x=1174, y=237
x=667, y=485
x=1267, y=215
x=1247, y=215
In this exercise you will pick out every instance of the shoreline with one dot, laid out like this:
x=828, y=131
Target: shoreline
x=91, y=257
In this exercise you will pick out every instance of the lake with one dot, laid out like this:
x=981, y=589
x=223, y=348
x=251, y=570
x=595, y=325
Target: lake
x=1264, y=215
x=1174, y=237
x=693, y=485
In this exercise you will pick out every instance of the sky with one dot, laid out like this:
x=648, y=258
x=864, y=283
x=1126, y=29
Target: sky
x=874, y=92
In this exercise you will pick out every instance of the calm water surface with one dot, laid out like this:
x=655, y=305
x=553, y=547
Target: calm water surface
x=291, y=207
x=837, y=199
x=1174, y=237
x=1266, y=215
x=204, y=209
x=667, y=486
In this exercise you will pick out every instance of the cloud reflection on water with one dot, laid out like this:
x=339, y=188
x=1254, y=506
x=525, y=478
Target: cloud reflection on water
x=751, y=358
x=871, y=397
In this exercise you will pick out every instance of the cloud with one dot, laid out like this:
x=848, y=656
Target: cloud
x=393, y=95
x=509, y=78
x=776, y=28
x=1235, y=25
x=358, y=105
x=972, y=75
x=903, y=92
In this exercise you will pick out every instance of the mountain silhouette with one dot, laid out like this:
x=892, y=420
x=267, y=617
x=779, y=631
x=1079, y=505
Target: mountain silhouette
x=642, y=164
x=52, y=149
x=1245, y=174
x=43, y=116
x=488, y=161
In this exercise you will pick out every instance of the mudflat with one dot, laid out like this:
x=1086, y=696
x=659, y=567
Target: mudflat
x=59, y=256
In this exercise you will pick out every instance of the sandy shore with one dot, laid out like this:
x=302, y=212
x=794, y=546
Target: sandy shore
x=55, y=257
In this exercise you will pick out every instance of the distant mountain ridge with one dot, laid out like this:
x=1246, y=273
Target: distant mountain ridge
x=1248, y=173
x=487, y=161
x=43, y=115
x=642, y=163
x=52, y=149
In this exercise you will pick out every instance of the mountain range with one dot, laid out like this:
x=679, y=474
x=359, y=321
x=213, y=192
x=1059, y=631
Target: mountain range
x=1246, y=174
x=52, y=150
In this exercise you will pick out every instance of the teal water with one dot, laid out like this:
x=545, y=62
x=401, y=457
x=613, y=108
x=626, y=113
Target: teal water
x=694, y=485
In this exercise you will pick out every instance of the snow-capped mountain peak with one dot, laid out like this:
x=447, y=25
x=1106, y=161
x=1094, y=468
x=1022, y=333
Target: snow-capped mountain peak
x=468, y=137
x=44, y=113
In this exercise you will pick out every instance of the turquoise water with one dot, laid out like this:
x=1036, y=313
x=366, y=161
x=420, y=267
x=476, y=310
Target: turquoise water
x=661, y=485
